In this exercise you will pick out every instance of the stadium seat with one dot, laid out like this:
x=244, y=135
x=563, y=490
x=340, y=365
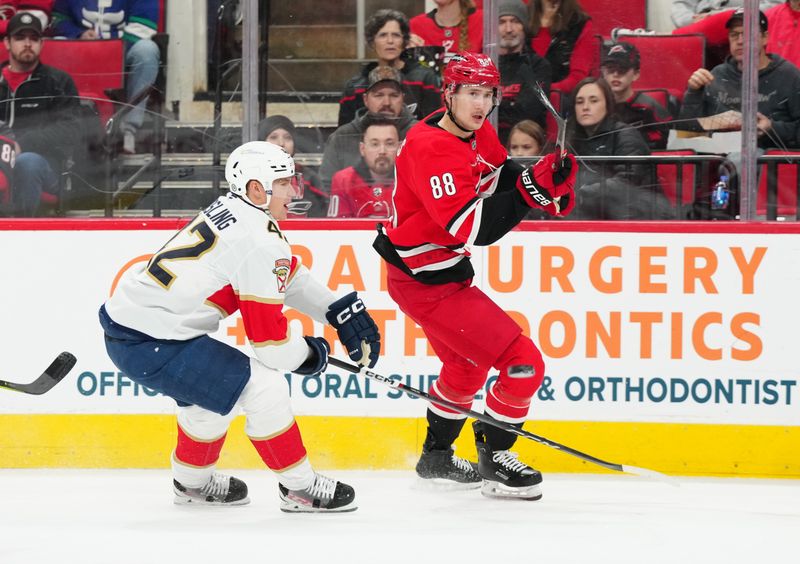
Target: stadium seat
x=667, y=61
x=608, y=14
x=784, y=198
x=95, y=66
x=668, y=177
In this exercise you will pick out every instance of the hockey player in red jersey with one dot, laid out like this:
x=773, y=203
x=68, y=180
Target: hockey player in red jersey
x=233, y=256
x=455, y=188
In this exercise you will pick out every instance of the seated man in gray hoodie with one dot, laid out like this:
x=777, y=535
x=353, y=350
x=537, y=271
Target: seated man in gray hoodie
x=384, y=96
x=715, y=97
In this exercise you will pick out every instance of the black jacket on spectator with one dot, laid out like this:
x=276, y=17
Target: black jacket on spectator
x=341, y=149
x=562, y=44
x=519, y=72
x=421, y=86
x=615, y=191
x=648, y=116
x=43, y=113
x=778, y=99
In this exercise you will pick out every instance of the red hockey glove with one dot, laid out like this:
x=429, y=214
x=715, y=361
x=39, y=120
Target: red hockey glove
x=551, y=191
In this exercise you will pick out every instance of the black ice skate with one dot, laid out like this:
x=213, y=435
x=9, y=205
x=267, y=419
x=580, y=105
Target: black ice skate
x=442, y=469
x=323, y=496
x=219, y=490
x=503, y=475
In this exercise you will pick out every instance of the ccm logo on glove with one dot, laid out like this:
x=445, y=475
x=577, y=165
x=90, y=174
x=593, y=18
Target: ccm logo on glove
x=354, y=308
x=357, y=330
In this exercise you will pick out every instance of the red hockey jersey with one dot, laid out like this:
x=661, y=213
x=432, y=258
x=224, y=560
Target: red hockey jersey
x=432, y=33
x=354, y=193
x=442, y=183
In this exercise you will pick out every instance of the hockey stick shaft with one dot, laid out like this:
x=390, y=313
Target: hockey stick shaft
x=54, y=373
x=397, y=385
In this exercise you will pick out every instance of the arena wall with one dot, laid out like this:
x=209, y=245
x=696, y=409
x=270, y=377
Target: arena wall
x=669, y=346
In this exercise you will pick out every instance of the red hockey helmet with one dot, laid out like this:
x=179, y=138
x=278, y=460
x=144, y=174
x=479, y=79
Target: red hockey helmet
x=470, y=68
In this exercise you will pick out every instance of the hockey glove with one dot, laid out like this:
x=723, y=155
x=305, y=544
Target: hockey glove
x=357, y=331
x=317, y=361
x=551, y=191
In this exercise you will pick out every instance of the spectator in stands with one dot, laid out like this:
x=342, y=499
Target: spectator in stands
x=384, y=95
x=9, y=149
x=620, y=68
x=685, y=12
x=526, y=139
x=387, y=32
x=563, y=34
x=715, y=96
x=365, y=189
x=711, y=24
x=281, y=131
x=39, y=103
x=134, y=21
x=454, y=25
x=609, y=191
x=784, y=37
x=39, y=8
x=520, y=70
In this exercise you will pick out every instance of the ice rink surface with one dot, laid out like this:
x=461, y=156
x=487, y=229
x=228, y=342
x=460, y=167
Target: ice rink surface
x=127, y=516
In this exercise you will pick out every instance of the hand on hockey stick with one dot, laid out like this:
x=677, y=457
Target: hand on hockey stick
x=550, y=186
x=357, y=331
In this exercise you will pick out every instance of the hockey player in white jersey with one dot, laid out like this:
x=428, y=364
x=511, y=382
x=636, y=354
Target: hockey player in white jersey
x=233, y=256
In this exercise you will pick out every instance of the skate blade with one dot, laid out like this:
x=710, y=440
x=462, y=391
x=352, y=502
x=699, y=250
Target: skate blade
x=183, y=500
x=497, y=490
x=442, y=485
x=298, y=508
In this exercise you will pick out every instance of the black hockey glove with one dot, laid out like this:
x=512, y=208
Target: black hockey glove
x=357, y=331
x=317, y=361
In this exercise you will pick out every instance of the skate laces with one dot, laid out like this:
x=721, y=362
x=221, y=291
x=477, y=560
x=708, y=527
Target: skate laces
x=323, y=487
x=508, y=459
x=217, y=486
x=461, y=463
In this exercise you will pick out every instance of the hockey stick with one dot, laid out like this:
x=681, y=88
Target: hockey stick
x=56, y=372
x=561, y=135
x=397, y=385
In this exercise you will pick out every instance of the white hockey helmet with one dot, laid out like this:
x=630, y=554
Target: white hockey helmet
x=257, y=160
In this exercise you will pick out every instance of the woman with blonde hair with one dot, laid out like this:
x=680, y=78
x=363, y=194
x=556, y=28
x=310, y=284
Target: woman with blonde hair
x=563, y=33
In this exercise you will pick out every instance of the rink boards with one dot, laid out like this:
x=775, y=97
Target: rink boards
x=670, y=346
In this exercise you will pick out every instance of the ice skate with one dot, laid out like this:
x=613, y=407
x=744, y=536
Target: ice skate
x=504, y=476
x=219, y=490
x=443, y=470
x=325, y=495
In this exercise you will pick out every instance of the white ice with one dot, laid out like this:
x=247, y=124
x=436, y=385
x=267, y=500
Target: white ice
x=127, y=516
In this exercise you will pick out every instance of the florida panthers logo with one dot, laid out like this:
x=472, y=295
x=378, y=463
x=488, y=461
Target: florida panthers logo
x=281, y=272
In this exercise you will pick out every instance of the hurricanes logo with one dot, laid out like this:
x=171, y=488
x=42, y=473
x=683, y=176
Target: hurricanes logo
x=281, y=272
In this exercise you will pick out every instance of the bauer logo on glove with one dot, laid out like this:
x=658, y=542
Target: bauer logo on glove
x=357, y=331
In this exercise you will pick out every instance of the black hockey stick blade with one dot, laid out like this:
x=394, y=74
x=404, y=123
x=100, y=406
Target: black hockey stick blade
x=56, y=372
x=397, y=385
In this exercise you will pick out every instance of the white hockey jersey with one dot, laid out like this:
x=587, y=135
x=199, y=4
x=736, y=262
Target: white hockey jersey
x=232, y=256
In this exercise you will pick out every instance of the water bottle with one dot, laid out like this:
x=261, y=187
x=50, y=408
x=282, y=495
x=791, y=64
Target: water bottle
x=720, y=195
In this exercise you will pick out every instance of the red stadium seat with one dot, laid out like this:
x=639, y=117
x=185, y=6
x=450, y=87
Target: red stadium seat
x=667, y=61
x=668, y=177
x=608, y=14
x=786, y=178
x=95, y=66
